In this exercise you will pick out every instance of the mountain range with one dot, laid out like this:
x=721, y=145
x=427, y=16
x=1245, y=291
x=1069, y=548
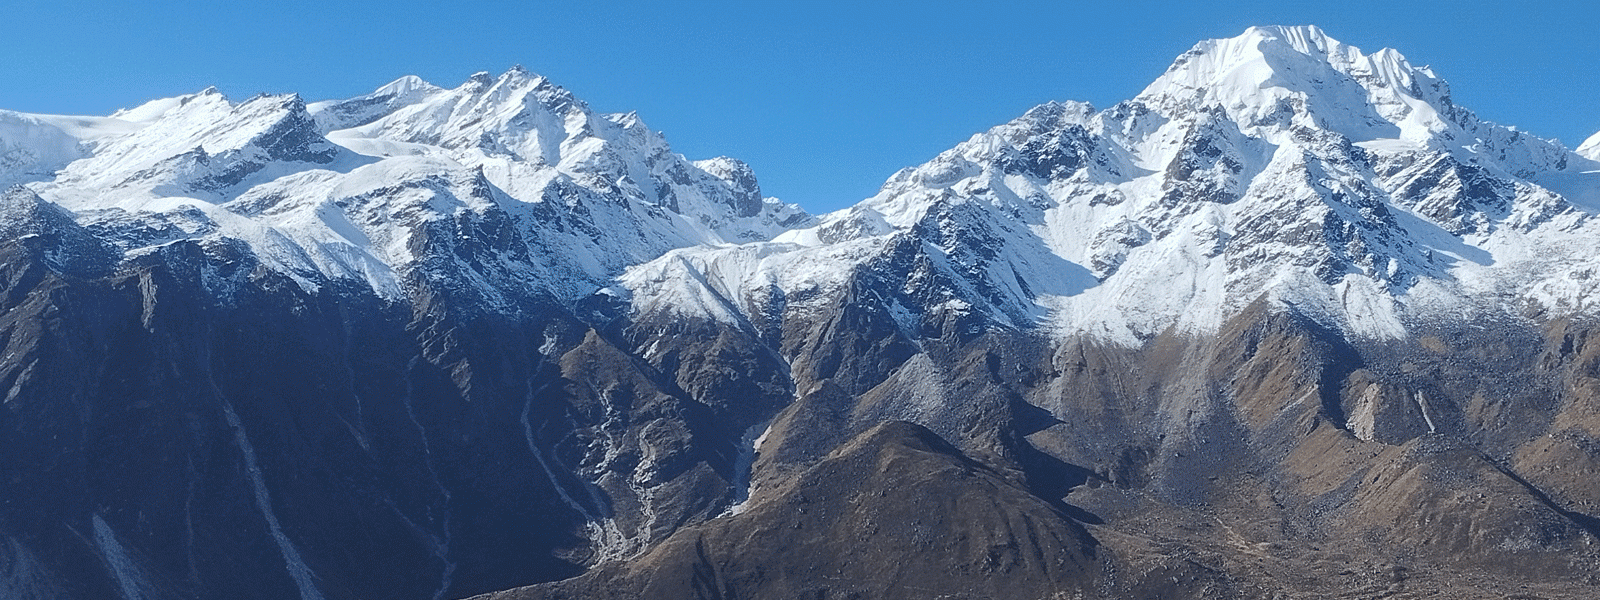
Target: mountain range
x=1289, y=323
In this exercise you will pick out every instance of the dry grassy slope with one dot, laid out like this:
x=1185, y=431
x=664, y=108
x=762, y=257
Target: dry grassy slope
x=1565, y=461
x=1276, y=457
x=1479, y=487
x=1273, y=460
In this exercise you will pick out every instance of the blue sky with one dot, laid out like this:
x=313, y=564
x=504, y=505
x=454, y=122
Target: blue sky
x=824, y=99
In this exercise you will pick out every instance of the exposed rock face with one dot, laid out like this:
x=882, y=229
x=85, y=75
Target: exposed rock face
x=1290, y=324
x=330, y=445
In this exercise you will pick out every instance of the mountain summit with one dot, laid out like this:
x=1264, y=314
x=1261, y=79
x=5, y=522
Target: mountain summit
x=1281, y=164
x=296, y=182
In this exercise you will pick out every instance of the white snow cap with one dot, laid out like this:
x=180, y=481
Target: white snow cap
x=366, y=189
x=1280, y=164
x=1269, y=73
x=1590, y=148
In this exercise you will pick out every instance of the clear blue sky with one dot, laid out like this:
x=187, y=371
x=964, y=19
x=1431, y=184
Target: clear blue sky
x=824, y=99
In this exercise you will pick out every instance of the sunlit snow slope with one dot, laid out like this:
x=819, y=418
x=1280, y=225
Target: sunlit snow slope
x=365, y=190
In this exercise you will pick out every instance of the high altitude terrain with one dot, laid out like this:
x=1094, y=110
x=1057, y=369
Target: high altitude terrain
x=1289, y=323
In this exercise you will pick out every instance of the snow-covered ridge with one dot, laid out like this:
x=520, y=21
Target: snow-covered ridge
x=370, y=190
x=1280, y=164
x=33, y=147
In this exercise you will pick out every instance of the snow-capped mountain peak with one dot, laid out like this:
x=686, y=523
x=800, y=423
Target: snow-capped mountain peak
x=405, y=86
x=381, y=189
x=1590, y=148
x=516, y=114
x=1274, y=77
x=1271, y=80
x=1280, y=164
x=201, y=146
x=343, y=114
x=522, y=130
